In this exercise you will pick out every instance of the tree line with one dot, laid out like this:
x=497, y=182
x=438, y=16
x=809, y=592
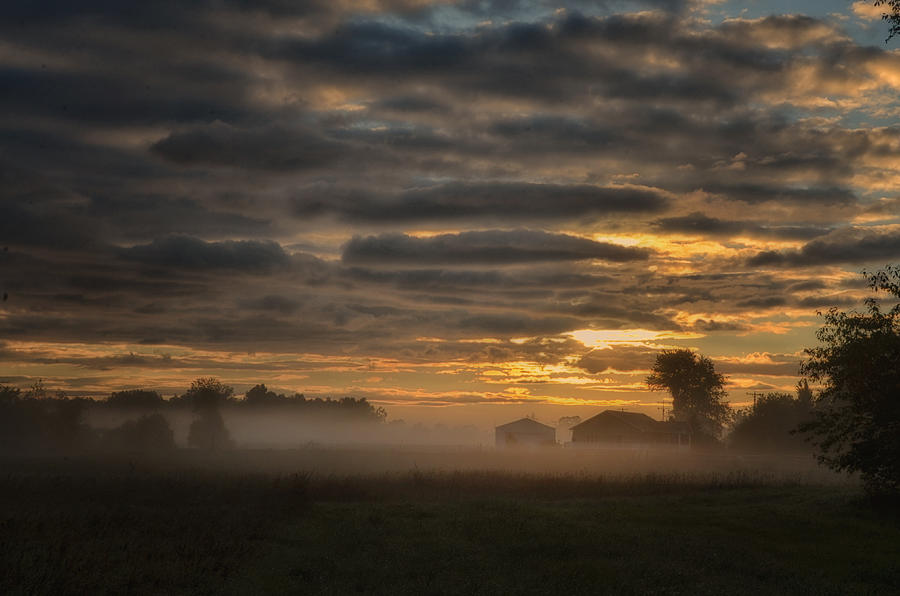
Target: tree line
x=38, y=420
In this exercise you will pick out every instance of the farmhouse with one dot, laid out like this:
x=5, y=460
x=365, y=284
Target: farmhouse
x=613, y=428
x=524, y=432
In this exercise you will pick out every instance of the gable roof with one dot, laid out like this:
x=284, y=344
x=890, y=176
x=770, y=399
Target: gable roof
x=526, y=424
x=638, y=421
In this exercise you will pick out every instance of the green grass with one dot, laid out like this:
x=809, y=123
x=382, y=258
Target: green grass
x=114, y=531
x=753, y=540
x=113, y=527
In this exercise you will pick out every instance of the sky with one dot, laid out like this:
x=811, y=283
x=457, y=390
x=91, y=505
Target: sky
x=464, y=211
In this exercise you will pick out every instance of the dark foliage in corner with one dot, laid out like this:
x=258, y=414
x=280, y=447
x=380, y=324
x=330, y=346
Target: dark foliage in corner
x=856, y=426
x=892, y=17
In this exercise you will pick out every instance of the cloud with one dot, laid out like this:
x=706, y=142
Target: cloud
x=510, y=325
x=759, y=193
x=618, y=358
x=455, y=168
x=847, y=245
x=781, y=31
x=461, y=200
x=780, y=365
x=272, y=147
x=700, y=224
x=867, y=10
x=492, y=246
x=185, y=252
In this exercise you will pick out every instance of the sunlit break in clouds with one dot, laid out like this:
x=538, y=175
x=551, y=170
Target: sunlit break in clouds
x=462, y=211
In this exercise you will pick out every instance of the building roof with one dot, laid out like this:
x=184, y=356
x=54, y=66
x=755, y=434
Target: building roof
x=526, y=425
x=638, y=421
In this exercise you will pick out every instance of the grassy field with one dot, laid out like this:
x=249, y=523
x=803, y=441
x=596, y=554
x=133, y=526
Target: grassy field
x=79, y=526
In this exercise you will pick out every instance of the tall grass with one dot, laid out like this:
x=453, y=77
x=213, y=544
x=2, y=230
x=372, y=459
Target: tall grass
x=192, y=525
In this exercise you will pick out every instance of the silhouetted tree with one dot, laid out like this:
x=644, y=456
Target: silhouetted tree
x=9, y=395
x=208, y=393
x=697, y=391
x=15, y=424
x=135, y=398
x=771, y=422
x=260, y=395
x=37, y=421
x=345, y=408
x=856, y=424
x=208, y=431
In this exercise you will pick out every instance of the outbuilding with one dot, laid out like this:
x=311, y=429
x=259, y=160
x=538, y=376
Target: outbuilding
x=612, y=428
x=524, y=432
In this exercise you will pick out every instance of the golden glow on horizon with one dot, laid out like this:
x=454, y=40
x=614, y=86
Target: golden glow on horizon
x=604, y=338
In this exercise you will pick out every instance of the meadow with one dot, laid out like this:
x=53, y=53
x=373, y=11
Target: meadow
x=342, y=521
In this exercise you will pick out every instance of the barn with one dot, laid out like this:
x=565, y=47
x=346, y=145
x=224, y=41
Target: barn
x=525, y=431
x=630, y=429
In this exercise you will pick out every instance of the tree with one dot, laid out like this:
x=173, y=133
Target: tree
x=260, y=395
x=135, y=398
x=696, y=388
x=208, y=393
x=892, y=17
x=771, y=422
x=208, y=431
x=856, y=424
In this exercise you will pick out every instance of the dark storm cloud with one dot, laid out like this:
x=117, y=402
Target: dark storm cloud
x=458, y=200
x=192, y=253
x=848, y=245
x=493, y=246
